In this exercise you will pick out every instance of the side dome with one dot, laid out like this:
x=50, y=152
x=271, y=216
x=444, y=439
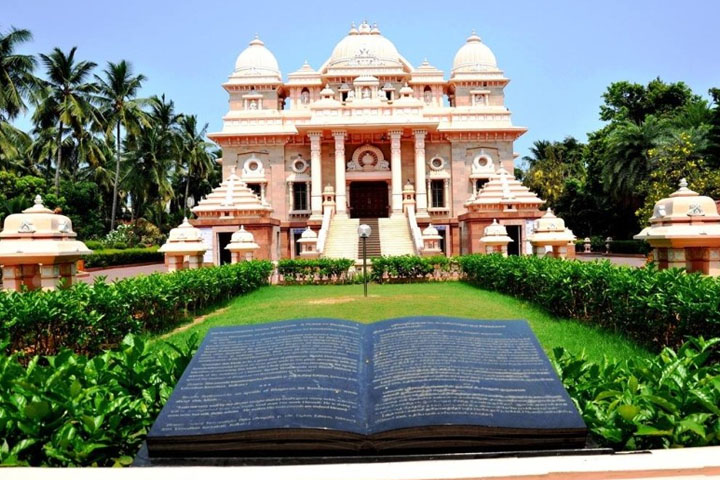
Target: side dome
x=474, y=56
x=257, y=60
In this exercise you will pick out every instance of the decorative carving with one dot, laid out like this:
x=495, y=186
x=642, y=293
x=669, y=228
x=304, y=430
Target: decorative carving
x=299, y=165
x=253, y=167
x=26, y=226
x=695, y=210
x=64, y=226
x=482, y=163
x=437, y=163
x=368, y=158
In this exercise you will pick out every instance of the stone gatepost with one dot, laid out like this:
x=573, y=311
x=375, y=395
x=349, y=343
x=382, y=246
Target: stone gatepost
x=550, y=237
x=495, y=239
x=38, y=249
x=184, y=242
x=684, y=232
x=242, y=245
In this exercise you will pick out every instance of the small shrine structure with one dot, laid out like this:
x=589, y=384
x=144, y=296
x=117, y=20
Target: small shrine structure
x=431, y=241
x=242, y=246
x=38, y=249
x=505, y=198
x=184, y=242
x=308, y=244
x=496, y=239
x=550, y=237
x=232, y=204
x=684, y=232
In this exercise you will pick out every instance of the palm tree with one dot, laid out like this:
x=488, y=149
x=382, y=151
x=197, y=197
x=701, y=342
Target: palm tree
x=121, y=108
x=627, y=157
x=67, y=97
x=16, y=74
x=194, y=153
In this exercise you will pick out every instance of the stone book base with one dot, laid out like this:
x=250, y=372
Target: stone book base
x=324, y=387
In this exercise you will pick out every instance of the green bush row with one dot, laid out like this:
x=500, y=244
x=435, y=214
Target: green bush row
x=111, y=257
x=408, y=267
x=90, y=318
x=307, y=268
x=71, y=410
x=655, y=308
x=671, y=400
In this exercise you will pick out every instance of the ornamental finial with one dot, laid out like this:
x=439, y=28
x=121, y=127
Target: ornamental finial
x=38, y=201
x=683, y=183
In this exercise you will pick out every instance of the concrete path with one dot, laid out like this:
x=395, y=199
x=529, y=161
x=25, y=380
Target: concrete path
x=617, y=260
x=112, y=274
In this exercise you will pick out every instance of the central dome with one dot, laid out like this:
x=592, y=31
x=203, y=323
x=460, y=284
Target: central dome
x=474, y=56
x=257, y=60
x=365, y=47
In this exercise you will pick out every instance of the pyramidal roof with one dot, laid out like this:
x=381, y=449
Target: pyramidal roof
x=232, y=198
x=502, y=191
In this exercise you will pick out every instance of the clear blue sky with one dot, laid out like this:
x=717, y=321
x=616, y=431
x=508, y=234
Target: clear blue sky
x=560, y=55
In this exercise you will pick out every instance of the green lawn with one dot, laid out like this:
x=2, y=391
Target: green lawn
x=387, y=301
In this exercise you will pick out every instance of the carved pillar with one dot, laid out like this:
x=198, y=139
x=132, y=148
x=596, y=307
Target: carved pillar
x=307, y=195
x=420, y=185
x=446, y=193
x=291, y=204
x=315, y=175
x=340, y=187
x=396, y=168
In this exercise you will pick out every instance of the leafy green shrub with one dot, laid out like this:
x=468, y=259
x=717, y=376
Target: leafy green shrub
x=670, y=400
x=409, y=267
x=656, y=308
x=114, y=256
x=71, y=410
x=91, y=318
x=93, y=244
x=303, y=270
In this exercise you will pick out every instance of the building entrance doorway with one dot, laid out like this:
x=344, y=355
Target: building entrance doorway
x=369, y=200
x=223, y=238
x=514, y=247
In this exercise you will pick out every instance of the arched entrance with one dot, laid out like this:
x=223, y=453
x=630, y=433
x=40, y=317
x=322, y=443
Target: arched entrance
x=369, y=200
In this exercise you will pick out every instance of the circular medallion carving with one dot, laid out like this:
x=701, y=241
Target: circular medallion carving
x=299, y=165
x=482, y=162
x=437, y=163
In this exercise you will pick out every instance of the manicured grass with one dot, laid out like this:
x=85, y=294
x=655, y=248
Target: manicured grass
x=388, y=301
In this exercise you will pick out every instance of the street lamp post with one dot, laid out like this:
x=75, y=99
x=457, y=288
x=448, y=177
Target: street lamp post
x=364, y=232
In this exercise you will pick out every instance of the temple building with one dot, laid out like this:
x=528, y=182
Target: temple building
x=366, y=138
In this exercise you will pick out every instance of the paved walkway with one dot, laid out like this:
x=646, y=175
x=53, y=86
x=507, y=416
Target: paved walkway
x=617, y=260
x=112, y=274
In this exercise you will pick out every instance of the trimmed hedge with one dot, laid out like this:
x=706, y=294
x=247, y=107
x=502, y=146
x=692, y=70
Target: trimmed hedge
x=409, y=267
x=304, y=270
x=90, y=318
x=111, y=257
x=656, y=308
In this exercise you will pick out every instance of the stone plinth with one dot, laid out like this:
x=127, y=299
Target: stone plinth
x=38, y=249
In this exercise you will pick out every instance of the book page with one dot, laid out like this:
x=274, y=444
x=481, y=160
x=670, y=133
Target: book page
x=292, y=374
x=428, y=371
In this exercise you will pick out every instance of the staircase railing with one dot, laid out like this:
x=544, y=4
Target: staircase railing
x=324, y=227
x=414, y=229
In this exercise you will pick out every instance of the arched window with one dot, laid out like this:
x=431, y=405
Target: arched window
x=427, y=94
x=305, y=96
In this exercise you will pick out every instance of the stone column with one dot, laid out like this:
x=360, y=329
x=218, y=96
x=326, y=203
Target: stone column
x=420, y=186
x=340, y=187
x=446, y=193
x=676, y=258
x=315, y=175
x=290, y=199
x=49, y=276
x=396, y=169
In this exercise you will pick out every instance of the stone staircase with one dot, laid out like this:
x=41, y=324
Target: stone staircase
x=395, y=237
x=342, y=238
x=373, y=241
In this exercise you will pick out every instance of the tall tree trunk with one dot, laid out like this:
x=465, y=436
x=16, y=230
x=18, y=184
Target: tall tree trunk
x=187, y=192
x=59, y=158
x=117, y=178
